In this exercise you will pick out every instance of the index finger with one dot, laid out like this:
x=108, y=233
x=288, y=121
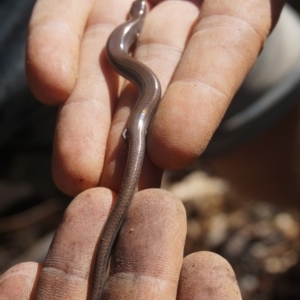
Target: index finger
x=223, y=46
x=66, y=271
x=59, y=56
x=54, y=35
x=148, y=254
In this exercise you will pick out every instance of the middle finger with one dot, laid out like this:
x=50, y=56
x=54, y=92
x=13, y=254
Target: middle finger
x=84, y=120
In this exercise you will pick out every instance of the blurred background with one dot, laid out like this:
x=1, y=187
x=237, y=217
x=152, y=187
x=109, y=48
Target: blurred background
x=260, y=240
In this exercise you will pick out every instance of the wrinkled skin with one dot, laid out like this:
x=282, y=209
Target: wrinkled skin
x=147, y=262
x=201, y=60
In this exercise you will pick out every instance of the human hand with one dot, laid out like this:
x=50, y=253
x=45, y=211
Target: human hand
x=200, y=59
x=147, y=262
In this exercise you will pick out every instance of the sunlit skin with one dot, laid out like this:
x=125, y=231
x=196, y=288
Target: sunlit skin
x=201, y=60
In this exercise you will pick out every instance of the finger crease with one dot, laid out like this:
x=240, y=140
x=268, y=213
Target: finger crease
x=62, y=26
x=229, y=19
x=167, y=46
x=76, y=274
x=100, y=25
x=86, y=101
x=200, y=84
